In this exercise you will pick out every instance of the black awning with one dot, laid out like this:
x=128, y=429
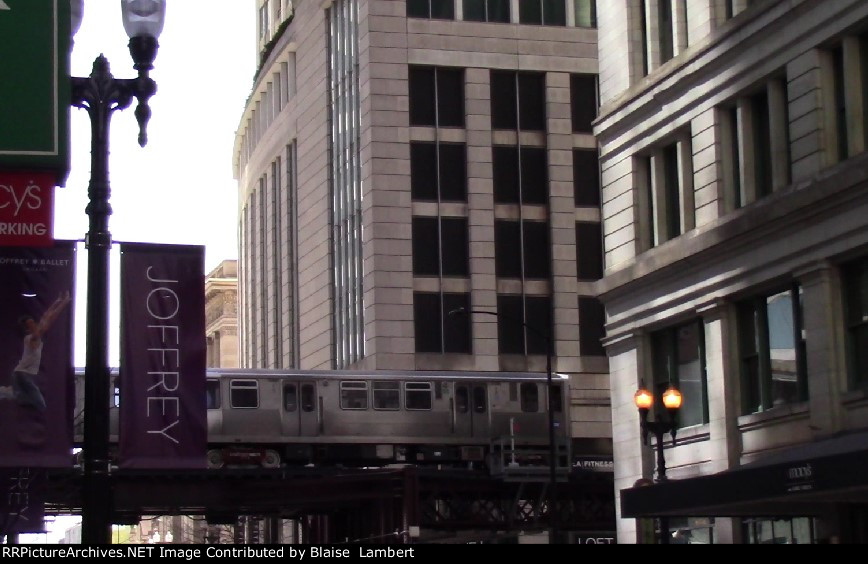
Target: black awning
x=797, y=481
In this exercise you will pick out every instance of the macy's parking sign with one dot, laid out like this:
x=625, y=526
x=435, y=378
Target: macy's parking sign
x=26, y=208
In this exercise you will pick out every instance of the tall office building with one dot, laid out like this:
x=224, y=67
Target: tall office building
x=735, y=219
x=399, y=160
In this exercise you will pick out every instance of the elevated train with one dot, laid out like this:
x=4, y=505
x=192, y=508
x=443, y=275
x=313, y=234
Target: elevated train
x=375, y=418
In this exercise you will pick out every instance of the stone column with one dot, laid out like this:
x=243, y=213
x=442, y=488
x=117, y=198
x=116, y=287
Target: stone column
x=823, y=327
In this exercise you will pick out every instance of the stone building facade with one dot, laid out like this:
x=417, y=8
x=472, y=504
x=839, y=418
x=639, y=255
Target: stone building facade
x=397, y=160
x=735, y=219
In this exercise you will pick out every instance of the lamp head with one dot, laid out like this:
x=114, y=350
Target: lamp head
x=643, y=398
x=672, y=398
x=143, y=22
x=143, y=17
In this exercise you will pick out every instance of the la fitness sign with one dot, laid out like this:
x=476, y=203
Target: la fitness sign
x=26, y=208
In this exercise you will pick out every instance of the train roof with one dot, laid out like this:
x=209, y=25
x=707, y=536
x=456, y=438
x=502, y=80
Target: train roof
x=374, y=374
x=383, y=374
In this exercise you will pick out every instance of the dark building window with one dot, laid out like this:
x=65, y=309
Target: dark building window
x=435, y=9
x=426, y=246
x=440, y=246
x=643, y=32
x=772, y=351
x=436, y=330
x=436, y=96
x=514, y=314
x=520, y=254
x=679, y=359
x=731, y=117
x=518, y=100
x=855, y=282
x=586, y=177
x=486, y=11
x=583, y=101
x=454, y=246
x=520, y=175
x=762, y=144
x=672, y=188
x=542, y=12
x=666, y=29
x=592, y=320
x=838, y=89
x=589, y=251
x=438, y=171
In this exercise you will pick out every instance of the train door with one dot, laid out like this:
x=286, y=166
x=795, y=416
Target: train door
x=470, y=408
x=479, y=406
x=290, y=418
x=462, y=425
x=308, y=412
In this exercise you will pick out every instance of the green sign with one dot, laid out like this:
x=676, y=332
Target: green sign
x=34, y=86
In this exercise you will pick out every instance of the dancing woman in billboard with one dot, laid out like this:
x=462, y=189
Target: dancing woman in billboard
x=24, y=390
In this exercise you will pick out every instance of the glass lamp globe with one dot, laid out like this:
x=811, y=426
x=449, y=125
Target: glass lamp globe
x=143, y=17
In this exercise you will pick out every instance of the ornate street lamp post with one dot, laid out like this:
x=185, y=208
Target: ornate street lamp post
x=101, y=94
x=672, y=401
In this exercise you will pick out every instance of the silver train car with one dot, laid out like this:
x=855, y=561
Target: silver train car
x=271, y=418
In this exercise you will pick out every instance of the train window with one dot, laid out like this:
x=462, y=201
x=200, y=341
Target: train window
x=308, y=398
x=354, y=395
x=386, y=395
x=212, y=394
x=557, y=400
x=479, y=403
x=461, y=399
x=529, y=397
x=243, y=394
x=417, y=395
x=290, y=397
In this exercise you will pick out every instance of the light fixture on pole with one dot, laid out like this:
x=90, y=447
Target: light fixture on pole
x=553, y=481
x=672, y=402
x=101, y=94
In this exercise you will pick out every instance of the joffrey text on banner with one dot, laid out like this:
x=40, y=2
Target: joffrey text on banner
x=162, y=388
x=36, y=372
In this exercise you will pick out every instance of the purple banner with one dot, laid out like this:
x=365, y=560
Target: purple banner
x=162, y=372
x=22, y=508
x=36, y=372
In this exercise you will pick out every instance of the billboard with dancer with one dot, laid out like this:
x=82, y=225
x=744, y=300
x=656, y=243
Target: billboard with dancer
x=36, y=369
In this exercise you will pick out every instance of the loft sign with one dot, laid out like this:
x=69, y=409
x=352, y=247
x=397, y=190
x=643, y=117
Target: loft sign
x=26, y=208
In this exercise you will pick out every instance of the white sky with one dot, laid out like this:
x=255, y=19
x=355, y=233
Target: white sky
x=179, y=188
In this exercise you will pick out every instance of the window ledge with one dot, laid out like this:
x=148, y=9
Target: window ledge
x=774, y=415
x=854, y=397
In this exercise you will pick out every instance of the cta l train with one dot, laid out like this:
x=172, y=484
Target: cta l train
x=376, y=418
